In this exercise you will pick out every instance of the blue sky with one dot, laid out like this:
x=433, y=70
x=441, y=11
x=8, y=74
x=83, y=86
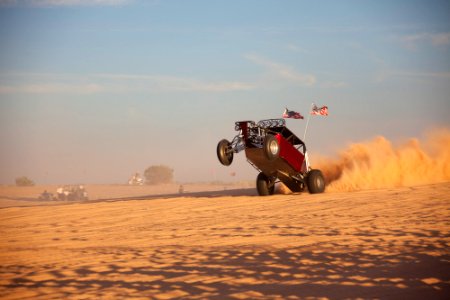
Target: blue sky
x=93, y=91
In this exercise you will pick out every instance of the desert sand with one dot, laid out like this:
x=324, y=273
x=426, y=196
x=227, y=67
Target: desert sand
x=226, y=244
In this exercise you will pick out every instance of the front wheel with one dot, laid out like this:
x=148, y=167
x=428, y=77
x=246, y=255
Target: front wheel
x=264, y=185
x=315, y=182
x=224, y=152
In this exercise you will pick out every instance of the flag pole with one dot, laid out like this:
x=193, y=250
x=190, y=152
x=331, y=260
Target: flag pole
x=307, y=122
x=307, y=165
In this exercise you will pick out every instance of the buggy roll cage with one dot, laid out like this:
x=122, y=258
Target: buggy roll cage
x=251, y=134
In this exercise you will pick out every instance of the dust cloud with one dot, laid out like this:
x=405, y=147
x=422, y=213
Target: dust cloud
x=379, y=163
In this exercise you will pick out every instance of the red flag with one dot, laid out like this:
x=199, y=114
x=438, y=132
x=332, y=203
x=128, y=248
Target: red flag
x=292, y=114
x=319, y=111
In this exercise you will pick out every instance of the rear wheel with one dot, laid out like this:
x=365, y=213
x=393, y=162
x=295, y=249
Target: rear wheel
x=271, y=147
x=315, y=182
x=264, y=185
x=224, y=152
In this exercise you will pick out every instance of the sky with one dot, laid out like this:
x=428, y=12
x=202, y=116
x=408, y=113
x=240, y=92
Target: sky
x=94, y=91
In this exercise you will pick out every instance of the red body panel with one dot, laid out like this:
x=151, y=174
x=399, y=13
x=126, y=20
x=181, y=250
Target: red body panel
x=290, y=154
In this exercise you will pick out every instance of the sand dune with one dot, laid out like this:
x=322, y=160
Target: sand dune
x=388, y=243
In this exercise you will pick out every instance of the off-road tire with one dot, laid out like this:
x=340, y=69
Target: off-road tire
x=271, y=147
x=315, y=182
x=264, y=185
x=224, y=152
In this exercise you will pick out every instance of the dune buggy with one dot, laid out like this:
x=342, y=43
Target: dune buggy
x=277, y=153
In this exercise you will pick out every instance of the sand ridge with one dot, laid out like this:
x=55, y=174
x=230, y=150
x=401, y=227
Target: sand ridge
x=389, y=244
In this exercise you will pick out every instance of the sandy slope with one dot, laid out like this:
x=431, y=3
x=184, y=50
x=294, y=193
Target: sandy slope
x=389, y=244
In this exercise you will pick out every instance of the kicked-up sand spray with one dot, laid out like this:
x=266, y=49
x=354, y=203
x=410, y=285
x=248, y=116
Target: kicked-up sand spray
x=379, y=163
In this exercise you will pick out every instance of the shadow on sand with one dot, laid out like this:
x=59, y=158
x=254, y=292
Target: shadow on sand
x=241, y=273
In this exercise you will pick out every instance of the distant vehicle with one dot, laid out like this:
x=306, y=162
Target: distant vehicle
x=276, y=152
x=136, y=179
x=71, y=193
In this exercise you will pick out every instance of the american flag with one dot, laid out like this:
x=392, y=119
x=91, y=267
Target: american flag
x=292, y=114
x=319, y=111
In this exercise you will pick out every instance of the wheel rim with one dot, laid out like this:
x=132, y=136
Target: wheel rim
x=225, y=152
x=228, y=154
x=273, y=147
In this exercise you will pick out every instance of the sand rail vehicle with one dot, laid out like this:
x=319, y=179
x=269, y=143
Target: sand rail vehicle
x=276, y=152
